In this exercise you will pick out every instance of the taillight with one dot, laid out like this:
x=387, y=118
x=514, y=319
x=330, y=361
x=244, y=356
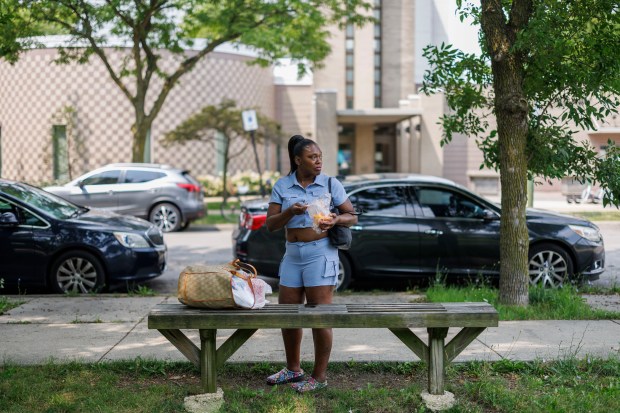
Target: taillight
x=253, y=222
x=189, y=187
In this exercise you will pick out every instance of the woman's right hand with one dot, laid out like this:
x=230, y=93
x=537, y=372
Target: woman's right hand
x=298, y=208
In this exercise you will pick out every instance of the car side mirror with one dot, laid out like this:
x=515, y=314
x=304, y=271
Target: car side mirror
x=8, y=219
x=80, y=183
x=489, y=215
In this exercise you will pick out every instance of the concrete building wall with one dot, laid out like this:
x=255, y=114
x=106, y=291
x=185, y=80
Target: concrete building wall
x=397, y=59
x=364, y=95
x=430, y=153
x=294, y=108
x=37, y=94
x=332, y=74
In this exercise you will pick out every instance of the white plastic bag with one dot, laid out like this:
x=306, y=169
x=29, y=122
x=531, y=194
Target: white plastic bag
x=319, y=210
x=248, y=291
x=261, y=288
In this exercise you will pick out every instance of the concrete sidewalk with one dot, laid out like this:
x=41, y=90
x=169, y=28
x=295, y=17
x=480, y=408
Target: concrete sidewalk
x=100, y=328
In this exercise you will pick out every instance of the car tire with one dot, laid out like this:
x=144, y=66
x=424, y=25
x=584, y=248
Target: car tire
x=344, y=273
x=77, y=272
x=166, y=216
x=549, y=265
x=184, y=226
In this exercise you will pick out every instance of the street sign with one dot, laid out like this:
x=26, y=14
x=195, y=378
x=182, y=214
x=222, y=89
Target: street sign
x=250, y=122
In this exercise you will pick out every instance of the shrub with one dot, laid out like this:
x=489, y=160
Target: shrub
x=239, y=183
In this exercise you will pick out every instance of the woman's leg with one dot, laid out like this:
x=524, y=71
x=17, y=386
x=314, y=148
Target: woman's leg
x=292, y=336
x=322, y=337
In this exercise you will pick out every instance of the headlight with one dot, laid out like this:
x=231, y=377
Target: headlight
x=588, y=233
x=131, y=240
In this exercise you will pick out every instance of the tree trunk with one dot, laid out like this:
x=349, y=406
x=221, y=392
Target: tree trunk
x=511, y=111
x=140, y=131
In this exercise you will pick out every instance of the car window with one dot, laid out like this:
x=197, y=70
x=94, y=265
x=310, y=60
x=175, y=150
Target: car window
x=5, y=206
x=24, y=216
x=443, y=203
x=136, y=177
x=102, y=178
x=28, y=218
x=39, y=199
x=385, y=200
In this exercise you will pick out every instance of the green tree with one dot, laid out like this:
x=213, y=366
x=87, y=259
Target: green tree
x=548, y=68
x=223, y=122
x=274, y=29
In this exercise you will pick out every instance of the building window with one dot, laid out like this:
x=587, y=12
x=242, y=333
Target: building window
x=350, y=78
x=147, y=148
x=377, y=51
x=60, y=153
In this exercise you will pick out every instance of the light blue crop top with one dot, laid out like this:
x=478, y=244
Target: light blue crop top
x=288, y=191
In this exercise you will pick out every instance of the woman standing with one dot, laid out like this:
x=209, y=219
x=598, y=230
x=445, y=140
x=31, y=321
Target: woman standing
x=309, y=269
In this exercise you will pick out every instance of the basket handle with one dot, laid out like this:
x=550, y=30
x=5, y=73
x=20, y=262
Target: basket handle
x=245, y=266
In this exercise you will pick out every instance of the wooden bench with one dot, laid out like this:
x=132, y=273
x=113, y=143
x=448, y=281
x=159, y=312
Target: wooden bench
x=471, y=318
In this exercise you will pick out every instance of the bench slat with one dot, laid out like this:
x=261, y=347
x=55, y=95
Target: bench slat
x=178, y=316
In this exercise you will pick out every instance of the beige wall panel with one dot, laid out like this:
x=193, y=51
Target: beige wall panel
x=431, y=154
x=363, y=71
x=294, y=110
x=397, y=58
x=327, y=130
x=455, y=155
x=332, y=75
x=35, y=92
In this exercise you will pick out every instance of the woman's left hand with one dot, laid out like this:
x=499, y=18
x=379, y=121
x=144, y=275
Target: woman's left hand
x=329, y=222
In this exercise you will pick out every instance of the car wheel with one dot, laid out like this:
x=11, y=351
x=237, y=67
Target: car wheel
x=549, y=265
x=166, y=216
x=77, y=272
x=344, y=273
x=184, y=226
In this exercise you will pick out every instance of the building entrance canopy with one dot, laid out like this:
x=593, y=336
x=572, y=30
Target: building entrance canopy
x=376, y=115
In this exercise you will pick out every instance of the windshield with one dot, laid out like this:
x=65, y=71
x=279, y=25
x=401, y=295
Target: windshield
x=37, y=198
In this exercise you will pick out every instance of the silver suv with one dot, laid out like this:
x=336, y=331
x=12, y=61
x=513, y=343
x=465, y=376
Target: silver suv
x=168, y=197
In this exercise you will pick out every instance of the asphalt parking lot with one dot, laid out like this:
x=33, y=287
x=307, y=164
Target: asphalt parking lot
x=214, y=245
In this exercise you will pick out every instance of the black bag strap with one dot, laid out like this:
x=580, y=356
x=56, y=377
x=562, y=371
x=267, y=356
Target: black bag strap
x=329, y=188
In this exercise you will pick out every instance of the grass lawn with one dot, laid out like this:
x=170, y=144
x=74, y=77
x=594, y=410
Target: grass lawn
x=154, y=386
x=567, y=384
x=545, y=304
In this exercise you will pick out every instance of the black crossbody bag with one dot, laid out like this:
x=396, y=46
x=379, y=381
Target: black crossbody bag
x=339, y=235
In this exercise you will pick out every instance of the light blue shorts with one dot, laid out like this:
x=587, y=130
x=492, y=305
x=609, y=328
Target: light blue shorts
x=309, y=264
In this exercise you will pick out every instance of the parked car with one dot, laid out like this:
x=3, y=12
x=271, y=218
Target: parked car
x=47, y=241
x=416, y=226
x=168, y=197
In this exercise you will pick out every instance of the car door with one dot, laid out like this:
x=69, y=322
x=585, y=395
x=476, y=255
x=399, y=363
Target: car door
x=17, y=265
x=458, y=234
x=385, y=237
x=137, y=191
x=98, y=190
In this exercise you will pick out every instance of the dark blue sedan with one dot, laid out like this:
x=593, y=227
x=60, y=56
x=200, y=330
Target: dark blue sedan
x=46, y=241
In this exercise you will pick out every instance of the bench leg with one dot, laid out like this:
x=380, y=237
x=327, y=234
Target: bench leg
x=208, y=362
x=436, y=367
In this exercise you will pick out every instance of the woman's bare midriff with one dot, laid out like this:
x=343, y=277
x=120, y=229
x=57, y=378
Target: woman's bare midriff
x=303, y=235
